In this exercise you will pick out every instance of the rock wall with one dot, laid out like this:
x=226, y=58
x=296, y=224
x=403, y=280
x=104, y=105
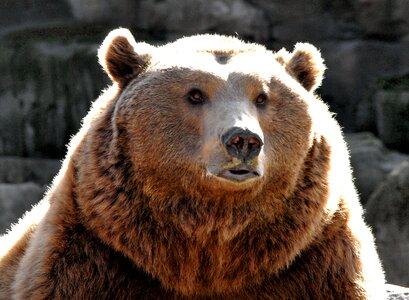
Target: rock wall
x=388, y=210
x=49, y=75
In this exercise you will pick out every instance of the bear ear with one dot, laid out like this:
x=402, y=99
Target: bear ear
x=118, y=57
x=305, y=64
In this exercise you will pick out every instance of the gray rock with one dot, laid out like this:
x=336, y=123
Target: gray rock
x=336, y=19
x=383, y=18
x=32, y=13
x=311, y=21
x=396, y=292
x=113, y=11
x=46, y=87
x=15, y=199
x=387, y=211
x=392, y=110
x=181, y=17
x=354, y=68
x=371, y=162
x=19, y=170
x=311, y=29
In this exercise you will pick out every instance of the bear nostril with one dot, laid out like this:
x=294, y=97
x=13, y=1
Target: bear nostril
x=242, y=143
x=236, y=142
x=254, y=142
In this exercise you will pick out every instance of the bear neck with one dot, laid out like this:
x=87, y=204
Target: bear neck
x=197, y=246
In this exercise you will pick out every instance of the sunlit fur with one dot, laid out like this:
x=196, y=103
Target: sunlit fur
x=138, y=212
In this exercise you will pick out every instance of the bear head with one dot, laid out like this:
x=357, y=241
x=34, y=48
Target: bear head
x=211, y=168
x=215, y=115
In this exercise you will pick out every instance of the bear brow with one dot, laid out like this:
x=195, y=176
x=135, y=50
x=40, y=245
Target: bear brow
x=178, y=72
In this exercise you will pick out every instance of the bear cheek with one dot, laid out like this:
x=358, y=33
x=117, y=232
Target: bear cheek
x=288, y=135
x=166, y=139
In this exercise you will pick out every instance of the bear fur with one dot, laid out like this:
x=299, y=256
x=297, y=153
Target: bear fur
x=156, y=201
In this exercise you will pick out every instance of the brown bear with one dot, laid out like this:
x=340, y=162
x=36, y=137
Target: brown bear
x=209, y=170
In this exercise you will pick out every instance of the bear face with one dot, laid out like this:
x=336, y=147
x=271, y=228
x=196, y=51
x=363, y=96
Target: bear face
x=229, y=115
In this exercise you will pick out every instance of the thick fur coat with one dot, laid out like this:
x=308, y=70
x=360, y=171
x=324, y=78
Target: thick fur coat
x=209, y=170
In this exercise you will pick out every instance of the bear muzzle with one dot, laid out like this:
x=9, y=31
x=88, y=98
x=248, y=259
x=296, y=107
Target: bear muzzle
x=243, y=146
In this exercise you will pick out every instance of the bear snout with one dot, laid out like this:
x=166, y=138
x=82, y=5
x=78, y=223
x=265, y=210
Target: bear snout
x=242, y=143
x=238, y=157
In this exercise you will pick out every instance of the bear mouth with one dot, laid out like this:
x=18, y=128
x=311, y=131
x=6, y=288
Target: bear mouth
x=239, y=175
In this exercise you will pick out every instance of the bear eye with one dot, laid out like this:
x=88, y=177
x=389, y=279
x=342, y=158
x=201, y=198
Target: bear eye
x=261, y=99
x=196, y=96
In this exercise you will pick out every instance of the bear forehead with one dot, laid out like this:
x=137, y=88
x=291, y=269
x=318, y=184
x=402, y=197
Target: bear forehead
x=214, y=43
x=219, y=55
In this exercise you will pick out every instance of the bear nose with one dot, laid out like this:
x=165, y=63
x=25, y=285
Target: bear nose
x=242, y=143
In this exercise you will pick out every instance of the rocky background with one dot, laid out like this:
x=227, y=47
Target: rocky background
x=49, y=75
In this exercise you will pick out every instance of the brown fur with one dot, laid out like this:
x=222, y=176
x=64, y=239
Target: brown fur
x=133, y=213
